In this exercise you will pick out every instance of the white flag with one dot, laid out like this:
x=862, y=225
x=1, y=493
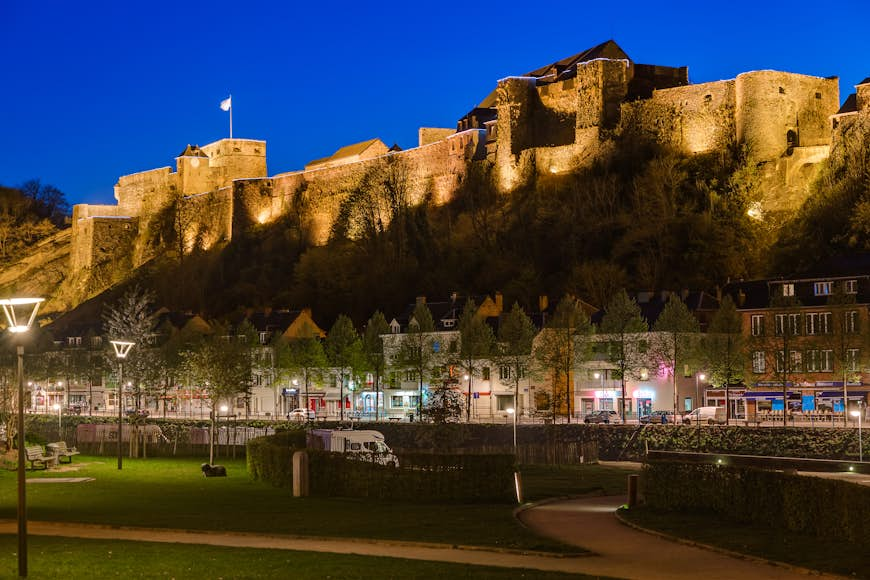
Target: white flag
x=227, y=104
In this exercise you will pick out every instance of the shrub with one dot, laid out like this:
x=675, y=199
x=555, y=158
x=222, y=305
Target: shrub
x=811, y=505
x=270, y=458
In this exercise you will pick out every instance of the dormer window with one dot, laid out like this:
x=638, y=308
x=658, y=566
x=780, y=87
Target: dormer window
x=264, y=337
x=788, y=289
x=74, y=340
x=822, y=288
x=449, y=323
x=850, y=286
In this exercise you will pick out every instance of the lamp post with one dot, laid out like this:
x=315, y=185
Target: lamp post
x=56, y=407
x=513, y=414
x=467, y=379
x=122, y=349
x=698, y=377
x=857, y=414
x=14, y=308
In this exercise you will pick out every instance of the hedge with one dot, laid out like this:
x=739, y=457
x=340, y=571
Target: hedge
x=420, y=478
x=811, y=505
x=270, y=458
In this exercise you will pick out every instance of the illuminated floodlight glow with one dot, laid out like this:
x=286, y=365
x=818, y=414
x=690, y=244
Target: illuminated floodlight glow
x=14, y=308
x=855, y=413
x=510, y=411
x=224, y=408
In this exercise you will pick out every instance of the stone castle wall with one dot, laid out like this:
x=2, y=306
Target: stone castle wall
x=541, y=127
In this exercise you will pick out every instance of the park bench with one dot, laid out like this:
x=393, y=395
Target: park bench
x=34, y=455
x=60, y=450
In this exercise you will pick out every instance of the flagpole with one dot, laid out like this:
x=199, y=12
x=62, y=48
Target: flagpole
x=231, y=116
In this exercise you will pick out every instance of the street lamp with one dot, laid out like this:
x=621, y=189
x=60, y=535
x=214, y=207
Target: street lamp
x=122, y=349
x=20, y=315
x=857, y=414
x=56, y=407
x=513, y=414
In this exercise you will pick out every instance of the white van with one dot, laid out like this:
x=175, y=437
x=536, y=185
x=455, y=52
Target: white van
x=708, y=415
x=363, y=444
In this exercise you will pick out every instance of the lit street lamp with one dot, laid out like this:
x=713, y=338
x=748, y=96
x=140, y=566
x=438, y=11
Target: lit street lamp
x=26, y=308
x=122, y=349
x=860, y=441
x=56, y=407
x=513, y=414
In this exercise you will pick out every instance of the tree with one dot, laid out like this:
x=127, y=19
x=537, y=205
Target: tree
x=476, y=342
x=676, y=337
x=416, y=350
x=222, y=367
x=782, y=344
x=373, y=348
x=516, y=334
x=445, y=403
x=623, y=323
x=303, y=356
x=725, y=348
x=47, y=201
x=344, y=351
x=132, y=319
x=563, y=344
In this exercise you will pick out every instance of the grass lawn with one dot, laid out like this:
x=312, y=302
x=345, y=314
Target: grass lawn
x=74, y=558
x=173, y=493
x=797, y=549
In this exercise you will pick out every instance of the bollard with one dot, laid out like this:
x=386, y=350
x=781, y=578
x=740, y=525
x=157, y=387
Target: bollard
x=300, y=474
x=632, y=491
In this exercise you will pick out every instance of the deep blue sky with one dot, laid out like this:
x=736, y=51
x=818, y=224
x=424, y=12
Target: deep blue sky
x=91, y=91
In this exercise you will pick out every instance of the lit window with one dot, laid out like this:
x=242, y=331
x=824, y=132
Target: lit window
x=851, y=322
x=852, y=359
x=788, y=289
x=504, y=373
x=827, y=362
x=812, y=360
x=822, y=288
x=796, y=361
x=485, y=373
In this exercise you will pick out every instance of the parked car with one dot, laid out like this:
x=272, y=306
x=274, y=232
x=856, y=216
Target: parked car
x=602, y=416
x=658, y=418
x=708, y=415
x=300, y=414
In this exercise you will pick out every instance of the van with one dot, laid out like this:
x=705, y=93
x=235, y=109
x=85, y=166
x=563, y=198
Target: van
x=708, y=415
x=365, y=444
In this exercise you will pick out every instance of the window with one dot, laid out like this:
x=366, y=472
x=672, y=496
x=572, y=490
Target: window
x=818, y=322
x=504, y=373
x=822, y=288
x=812, y=359
x=264, y=337
x=850, y=286
x=485, y=373
x=792, y=320
x=796, y=361
x=97, y=341
x=413, y=400
x=504, y=402
x=852, y=359
x=788, y=289
x=780, y=361
x=436, y=346
x=410, y=375
x=74, y=340
x=757, y=323
x=758, y=361
x=827, y=361
x=397, y=402
x=850, y=322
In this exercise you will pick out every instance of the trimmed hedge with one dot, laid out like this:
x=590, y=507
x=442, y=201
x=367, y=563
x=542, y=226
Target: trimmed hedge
x=270, y=458
x=421, y=478
x=811, y=505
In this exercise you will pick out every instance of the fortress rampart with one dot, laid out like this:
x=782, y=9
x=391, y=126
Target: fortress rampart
x=553, y=120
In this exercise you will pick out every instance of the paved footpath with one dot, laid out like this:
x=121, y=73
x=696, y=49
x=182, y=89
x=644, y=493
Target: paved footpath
x=624, y=552
x=620, y=551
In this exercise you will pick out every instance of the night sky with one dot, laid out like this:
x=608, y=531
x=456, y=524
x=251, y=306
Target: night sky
x=92, y=91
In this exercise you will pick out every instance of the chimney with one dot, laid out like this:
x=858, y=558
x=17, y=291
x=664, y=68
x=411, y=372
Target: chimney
x=684, y=294
x=741, y=298
x=421, y=300
x=499, y=302
x=543, y=303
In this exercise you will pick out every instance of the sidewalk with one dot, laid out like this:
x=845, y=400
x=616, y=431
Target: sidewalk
x=624, y=552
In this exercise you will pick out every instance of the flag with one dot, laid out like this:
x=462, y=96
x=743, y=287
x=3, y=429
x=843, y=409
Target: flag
x=227, y=104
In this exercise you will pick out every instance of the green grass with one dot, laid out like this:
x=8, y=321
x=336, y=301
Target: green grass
x=75, y=558
x=172, y=493
x=797, y=549
x=544, y=481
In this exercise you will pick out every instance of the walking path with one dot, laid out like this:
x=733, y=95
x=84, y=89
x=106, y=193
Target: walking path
x=619, y=551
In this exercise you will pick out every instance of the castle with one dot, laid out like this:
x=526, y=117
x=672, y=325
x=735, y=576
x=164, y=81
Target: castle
x=552, y=120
